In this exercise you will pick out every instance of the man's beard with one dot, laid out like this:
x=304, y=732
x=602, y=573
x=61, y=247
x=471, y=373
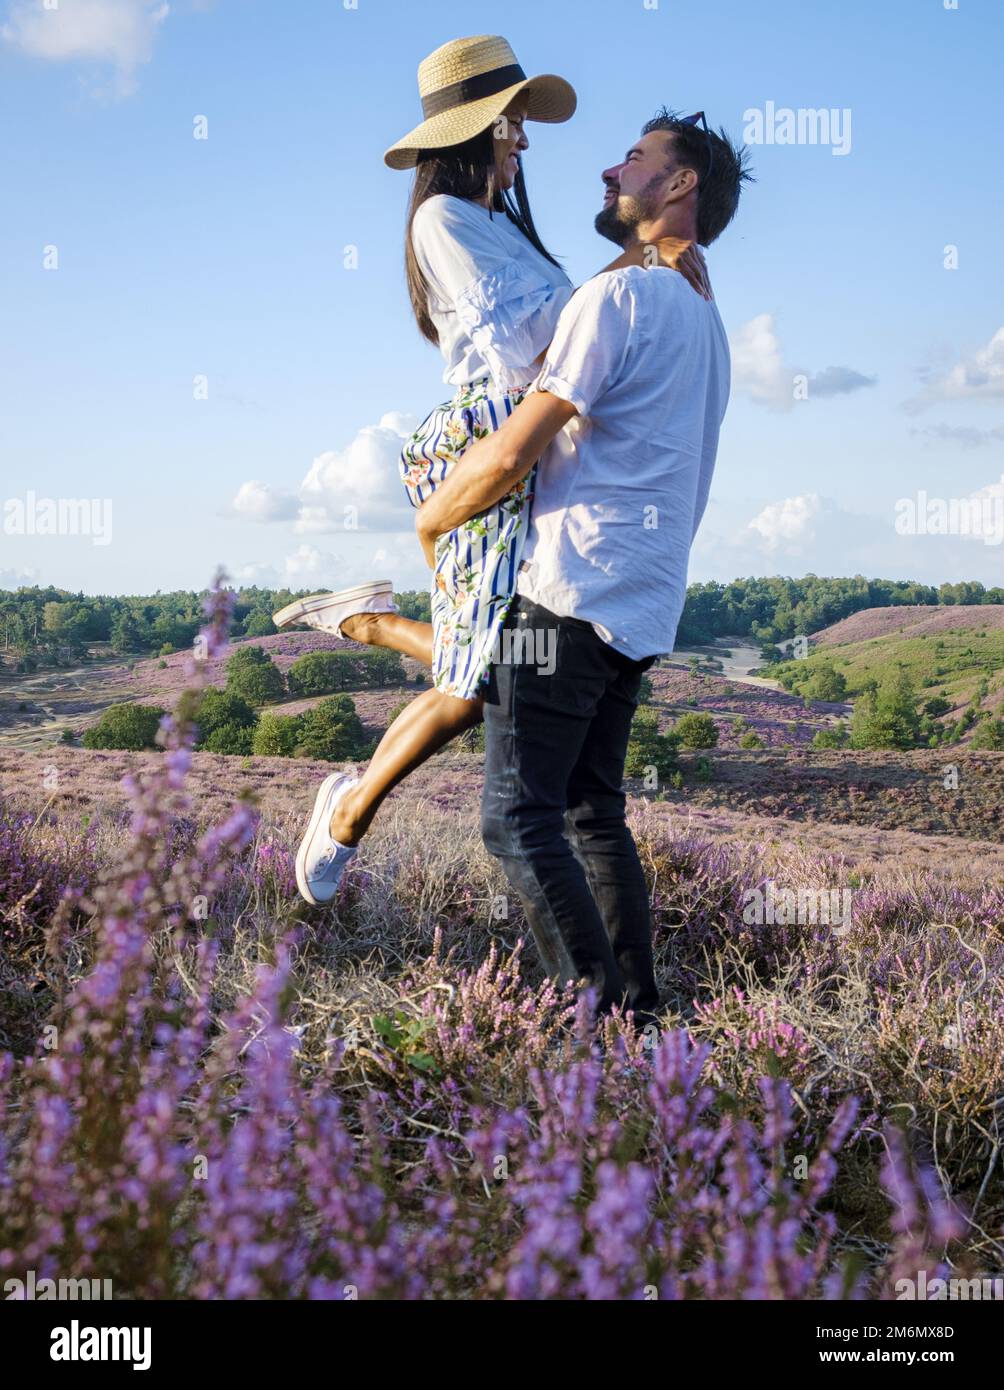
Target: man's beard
x=620, y=221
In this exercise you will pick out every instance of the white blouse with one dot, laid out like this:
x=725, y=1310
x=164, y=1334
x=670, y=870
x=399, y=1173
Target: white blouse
x=495, y=300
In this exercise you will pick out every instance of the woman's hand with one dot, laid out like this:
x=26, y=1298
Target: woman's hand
x=688, y=258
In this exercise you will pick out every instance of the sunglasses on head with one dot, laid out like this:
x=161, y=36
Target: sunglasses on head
x=698, y=119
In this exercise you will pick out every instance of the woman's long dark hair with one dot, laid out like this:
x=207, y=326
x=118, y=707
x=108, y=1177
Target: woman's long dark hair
x=465, y=171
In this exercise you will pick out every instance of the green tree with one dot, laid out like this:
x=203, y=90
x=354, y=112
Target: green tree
x=321, y=673
x=259, y=624
x=230, y=738
x=696, y=731
x=989, y=736
x=896, y=710
x=332, y=730
x=222, y=709
x=127, y=633
x=415, y=604
x=125, y=726
x=254, y=676
x=886, y=716
x=277, y=735
x=826, y=683
x=647, y=748
x=384, y=668
x=830, y=738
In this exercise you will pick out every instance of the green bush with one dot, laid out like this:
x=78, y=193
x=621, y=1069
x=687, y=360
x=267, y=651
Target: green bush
x=989, y=736
x=329, y=673
x=751, y=740
x=254, y=676
x=220, y=709
x=415, y=604
x=830, y=738
x=696, y=731
x=230, y=738
x=647, y=748
x=259, y=624
x=332, y=730
x=886, y=717
x=826, y=683
x=133, y=727
x=276, y=735
x=937, y=707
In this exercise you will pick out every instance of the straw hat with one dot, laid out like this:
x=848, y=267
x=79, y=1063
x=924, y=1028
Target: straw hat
x=465, y=86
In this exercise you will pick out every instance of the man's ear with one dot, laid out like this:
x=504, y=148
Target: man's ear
x=681, y=182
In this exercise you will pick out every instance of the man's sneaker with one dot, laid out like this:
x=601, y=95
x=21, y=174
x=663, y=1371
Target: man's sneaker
x=328, y=611
x=320, y=860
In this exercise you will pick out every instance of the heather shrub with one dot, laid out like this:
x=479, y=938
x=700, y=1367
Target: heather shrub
x=235, y=1099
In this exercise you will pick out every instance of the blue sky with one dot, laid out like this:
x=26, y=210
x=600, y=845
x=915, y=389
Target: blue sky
x=223, y=259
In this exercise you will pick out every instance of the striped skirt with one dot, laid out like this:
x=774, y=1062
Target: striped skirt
x=476, y=565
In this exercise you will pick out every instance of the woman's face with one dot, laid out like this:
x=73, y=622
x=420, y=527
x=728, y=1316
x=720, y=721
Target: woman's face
x=510, y=142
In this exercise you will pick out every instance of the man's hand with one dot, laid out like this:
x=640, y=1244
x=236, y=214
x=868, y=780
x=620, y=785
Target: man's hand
x=426, y=540
x=492, y=467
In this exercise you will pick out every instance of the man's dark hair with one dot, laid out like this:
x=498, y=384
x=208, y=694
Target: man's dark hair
x=718, y=192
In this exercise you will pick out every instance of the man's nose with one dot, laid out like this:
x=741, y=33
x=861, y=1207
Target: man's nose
x=609, y=176
x=523, y=142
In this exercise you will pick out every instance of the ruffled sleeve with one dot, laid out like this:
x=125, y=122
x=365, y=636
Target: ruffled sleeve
x=506, y=306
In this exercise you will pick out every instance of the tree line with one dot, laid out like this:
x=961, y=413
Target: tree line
x=47, y=625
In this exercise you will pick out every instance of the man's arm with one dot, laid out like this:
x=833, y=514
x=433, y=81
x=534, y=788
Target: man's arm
x=492, y=467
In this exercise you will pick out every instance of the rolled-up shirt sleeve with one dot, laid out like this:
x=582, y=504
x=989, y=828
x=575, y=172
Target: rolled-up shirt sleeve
x=590, y=342
x=508, y=310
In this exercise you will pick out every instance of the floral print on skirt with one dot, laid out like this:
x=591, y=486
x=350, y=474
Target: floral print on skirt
x=476, y=565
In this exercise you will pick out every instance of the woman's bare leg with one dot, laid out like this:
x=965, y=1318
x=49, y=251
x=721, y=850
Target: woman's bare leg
x=428, y=723
x=404, y=635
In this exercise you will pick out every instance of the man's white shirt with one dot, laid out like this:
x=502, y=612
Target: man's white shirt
x=620, y=492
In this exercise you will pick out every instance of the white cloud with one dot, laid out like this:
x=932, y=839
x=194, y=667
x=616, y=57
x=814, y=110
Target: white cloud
x=788, y=524
x=979, y=377
x=760, y=372
x=305, y=562
x=359, y=487
x=115, y=33
x=19, y=579
x=354, y=489
x=966, y=436
x=258, y=502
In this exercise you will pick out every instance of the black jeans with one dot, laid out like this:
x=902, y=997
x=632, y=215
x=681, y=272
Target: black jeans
x=553, y=809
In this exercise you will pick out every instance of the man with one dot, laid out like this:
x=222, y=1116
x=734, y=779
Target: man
x=624, y=418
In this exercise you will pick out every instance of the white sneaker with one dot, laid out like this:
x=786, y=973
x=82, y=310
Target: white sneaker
x=320, y=860
x=328, y=611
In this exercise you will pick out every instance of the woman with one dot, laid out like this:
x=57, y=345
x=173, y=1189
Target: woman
x=486, y=291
